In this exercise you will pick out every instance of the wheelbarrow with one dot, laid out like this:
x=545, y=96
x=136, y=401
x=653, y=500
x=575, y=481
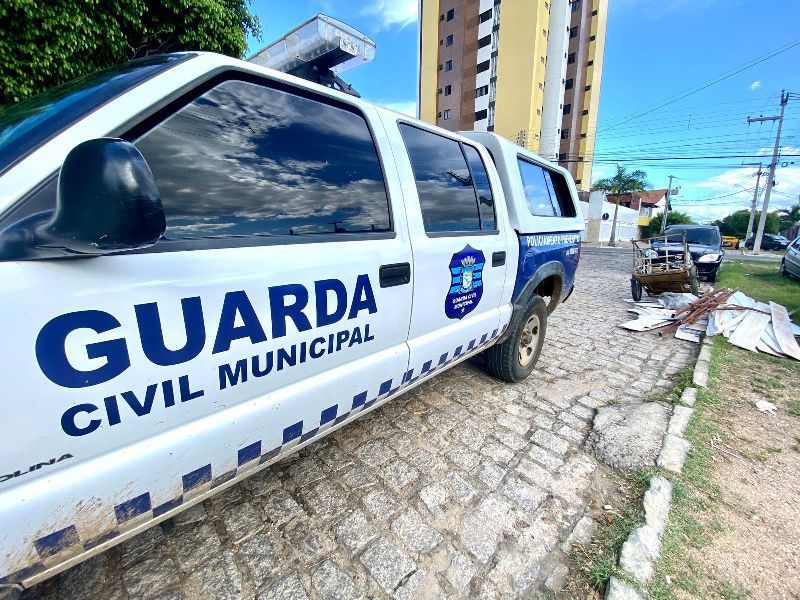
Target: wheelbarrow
x=663, y=264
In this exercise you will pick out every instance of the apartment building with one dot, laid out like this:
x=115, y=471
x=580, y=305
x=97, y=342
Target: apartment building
x=528, y=70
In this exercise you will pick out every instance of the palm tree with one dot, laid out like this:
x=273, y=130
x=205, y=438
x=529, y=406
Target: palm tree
x=790, y=216
x=622, y=182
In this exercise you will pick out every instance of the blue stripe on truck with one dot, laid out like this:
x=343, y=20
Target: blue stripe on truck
x=537, y=249
x=201, y=479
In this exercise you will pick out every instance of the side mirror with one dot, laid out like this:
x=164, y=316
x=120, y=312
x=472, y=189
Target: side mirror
x=107, y=202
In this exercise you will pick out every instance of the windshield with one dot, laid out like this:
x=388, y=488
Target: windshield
x=708, y=236
x=27, y=125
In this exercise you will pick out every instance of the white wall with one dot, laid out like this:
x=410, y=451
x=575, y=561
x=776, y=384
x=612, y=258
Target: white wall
x=627, y=220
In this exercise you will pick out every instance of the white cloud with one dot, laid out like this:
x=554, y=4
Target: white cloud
x=407, y=108
x=703, y=199
x=393, y=13
x=755, y=85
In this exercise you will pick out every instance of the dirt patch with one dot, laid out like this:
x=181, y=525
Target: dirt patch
x=751, y=545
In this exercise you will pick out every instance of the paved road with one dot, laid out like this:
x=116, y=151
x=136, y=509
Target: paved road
x=463, y=487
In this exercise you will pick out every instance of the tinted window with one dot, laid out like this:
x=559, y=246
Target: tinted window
x=244, y=160
x=444, y=183
x=546, y=192
x=27, y=125
x=708, y=236
x=482, y=188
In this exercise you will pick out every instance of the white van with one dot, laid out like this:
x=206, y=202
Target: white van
x=207, y=265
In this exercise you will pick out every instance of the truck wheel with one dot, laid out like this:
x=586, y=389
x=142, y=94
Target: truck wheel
x=514, y=359
x=636, y=289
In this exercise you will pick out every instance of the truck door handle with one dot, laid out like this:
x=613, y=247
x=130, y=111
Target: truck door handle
x=498, y=259
x=395, y=274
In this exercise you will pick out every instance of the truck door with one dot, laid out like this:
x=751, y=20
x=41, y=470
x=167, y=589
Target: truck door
x=276, y=306
x=459, y=250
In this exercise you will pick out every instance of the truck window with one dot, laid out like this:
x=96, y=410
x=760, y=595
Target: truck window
x=445, y=187
x=482, y=188
x=244, y=159
x=546, y=191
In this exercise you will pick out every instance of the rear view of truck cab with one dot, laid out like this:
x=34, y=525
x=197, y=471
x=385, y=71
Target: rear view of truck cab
x=544, y=212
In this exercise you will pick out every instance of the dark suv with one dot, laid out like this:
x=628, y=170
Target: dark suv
x=769, y=241
x=705, y=246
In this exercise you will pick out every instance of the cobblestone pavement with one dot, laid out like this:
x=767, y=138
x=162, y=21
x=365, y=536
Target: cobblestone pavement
x=465, y=486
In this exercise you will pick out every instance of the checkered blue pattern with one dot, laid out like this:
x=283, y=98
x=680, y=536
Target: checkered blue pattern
x=203, y=479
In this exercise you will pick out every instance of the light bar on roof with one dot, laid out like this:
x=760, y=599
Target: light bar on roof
x=320, y=43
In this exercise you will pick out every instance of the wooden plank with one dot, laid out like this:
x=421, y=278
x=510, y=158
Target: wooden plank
x=782, y=326
x=748, y=332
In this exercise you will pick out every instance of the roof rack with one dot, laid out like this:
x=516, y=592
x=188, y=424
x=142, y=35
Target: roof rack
x=319, y=50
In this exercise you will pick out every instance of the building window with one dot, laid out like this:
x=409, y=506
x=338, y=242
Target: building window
x=541, y=85
x=547, y=7
x=594, y=13
x=589, y=63
x=573, y=31
x=562, y=156
x=485, y=41
x=439, y=91
x=438, y=115
x=587, y=88
x=449, y=40
x=576, y=5
x=448, y=89
x=486, y=15
x=481, y=91
x=577, y=182
x=586, y=112
x=544, y=32
x=441, y=42
x=203, y=141
x=484, y=66
x=542, y=59
x=481, y=115
x=583, y=136
x=565, y=133
x=567, y=109
x=568, y=84
x=592, y=38
x=446, y=115
x=448, y=66
x=570, y=58
x=440, y=67
x=451, y=13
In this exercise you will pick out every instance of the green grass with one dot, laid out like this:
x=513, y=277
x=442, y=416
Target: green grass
x=760, y=280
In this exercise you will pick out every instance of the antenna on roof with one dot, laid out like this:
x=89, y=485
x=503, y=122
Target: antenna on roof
x=318, y=50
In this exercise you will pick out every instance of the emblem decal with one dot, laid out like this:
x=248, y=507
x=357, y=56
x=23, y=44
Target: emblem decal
x=466, y=283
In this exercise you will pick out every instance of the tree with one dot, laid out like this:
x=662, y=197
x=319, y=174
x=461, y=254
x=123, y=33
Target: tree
x=51, y=43
x=789, y=217
x=673, y=218
x=622, y=182
x=736, y=223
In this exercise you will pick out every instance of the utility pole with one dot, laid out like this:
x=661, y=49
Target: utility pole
x=754, y=203
x=772, y=165
x=666, y=206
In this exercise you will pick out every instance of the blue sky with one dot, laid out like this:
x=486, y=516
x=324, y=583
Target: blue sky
x=656, y=50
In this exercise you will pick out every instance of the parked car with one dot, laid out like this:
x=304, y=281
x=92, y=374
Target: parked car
x=208, y=264
x=769, y=241
x=705, y=246
x=790, y=264
x=730, y=241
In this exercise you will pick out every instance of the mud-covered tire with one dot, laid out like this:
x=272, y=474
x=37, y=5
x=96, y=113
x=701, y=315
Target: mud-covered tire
x=505, y=360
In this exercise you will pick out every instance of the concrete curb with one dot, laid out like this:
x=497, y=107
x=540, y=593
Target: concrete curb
x=642, y=549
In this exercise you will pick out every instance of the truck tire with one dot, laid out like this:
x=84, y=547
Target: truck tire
x=514, y=359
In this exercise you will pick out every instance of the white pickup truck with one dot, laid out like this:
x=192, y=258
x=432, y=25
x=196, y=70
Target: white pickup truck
x=207, y=265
